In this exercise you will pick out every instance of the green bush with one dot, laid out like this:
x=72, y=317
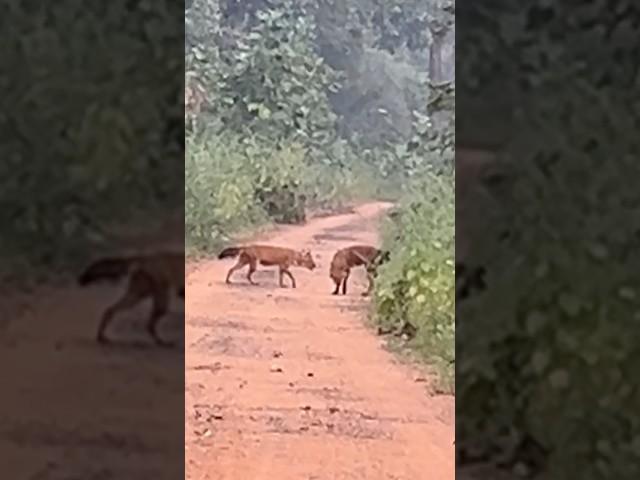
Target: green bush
x=219, y=193
x=417, y=285
x=549, y=352
x=82, y=145
x=234, y=183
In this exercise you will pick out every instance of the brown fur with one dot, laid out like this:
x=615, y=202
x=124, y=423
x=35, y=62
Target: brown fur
x=150, y=276
x=356, y=255
x=267, y=256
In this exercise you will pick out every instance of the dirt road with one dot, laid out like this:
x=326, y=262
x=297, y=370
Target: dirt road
x=290, y=385
x=71, y=409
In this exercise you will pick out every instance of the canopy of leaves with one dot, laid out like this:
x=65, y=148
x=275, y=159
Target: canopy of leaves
x=366, y=56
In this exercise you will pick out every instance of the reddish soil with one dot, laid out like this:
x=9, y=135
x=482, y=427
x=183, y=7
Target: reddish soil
x=290, y=384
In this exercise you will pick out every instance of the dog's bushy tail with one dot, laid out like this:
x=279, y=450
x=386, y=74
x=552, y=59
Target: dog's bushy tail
x=229, y=252
x=110, y=269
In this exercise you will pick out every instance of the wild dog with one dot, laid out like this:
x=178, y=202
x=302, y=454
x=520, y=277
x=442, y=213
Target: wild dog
x=347, y=258
x=267, y=256
x=150, y=276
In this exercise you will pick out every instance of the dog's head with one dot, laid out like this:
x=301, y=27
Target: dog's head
x=305, y=259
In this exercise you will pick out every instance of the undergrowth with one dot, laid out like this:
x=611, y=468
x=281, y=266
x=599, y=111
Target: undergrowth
x=234, y=184
x=417, y=285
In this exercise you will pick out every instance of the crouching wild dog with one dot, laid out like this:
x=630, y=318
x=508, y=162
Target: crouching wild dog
x=151, y=276
x=347, y=258
x=267, y=256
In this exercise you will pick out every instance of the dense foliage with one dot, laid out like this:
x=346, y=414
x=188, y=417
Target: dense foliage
x=233, y=184
x=85, y=142
x=548, y=352
x=285, y=113
x=417, y=287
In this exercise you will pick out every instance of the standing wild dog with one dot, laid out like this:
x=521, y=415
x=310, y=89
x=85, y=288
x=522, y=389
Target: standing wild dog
x=151, y=276
x=267, y=256
x=347, y=258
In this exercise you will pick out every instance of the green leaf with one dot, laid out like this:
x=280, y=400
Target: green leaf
x=559, y=379
x=264, y=113
x=570, y=304
x=627, y=293
x=535, y=322
x=540, y=361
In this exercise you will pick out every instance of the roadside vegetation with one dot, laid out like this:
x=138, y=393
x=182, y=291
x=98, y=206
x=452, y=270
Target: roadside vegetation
x=545, y=383
x=416, y=288
x=414, y=295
